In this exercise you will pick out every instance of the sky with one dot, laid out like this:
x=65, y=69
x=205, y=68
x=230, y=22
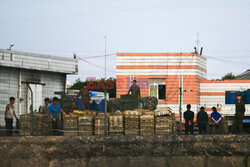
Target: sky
x=63, y=27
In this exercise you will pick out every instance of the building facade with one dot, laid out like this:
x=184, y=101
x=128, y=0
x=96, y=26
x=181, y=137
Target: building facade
x=161, y=74
x=46, y=75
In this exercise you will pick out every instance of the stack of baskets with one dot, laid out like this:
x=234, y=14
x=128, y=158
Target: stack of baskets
x=100, y=124
x=163, y=121
x=147, y=123
x=42, y=124
x=116, y=124
x=25, y=124
x=70, y=125
x=85, y=125
x=132, y=122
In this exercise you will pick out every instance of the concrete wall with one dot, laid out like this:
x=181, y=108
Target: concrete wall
x=54, y=82
x=126, y=151
x=41, y=62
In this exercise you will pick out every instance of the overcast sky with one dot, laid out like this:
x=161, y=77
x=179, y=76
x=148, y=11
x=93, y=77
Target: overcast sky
x=64, y=27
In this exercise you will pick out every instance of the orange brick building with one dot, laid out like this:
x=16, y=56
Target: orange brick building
x=158, y=75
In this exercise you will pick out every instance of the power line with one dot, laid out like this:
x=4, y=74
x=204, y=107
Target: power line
x=95, y=65
x=227, y=61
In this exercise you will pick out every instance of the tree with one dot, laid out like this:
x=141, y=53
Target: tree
x=77, y=85
x=229, y=76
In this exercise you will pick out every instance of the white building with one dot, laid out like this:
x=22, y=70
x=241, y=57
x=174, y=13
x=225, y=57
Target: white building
x=47, y=75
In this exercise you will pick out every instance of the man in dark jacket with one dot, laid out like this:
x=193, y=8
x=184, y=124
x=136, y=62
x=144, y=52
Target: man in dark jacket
x=189, y=118
x=239, y=114
x=202, y=120
x=134, y=90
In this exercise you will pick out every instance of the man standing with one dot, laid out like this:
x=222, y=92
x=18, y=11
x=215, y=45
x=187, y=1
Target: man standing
x=202, y=120
x=135, y=90
x=189, y=118
x=239, y=114
x=216, y=119
x=8, y=115
x=85, y=97
x=54, y=109
x=45, y=108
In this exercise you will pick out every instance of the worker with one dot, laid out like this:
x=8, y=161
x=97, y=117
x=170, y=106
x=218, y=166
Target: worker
x=85, y=97
x=202, y=120
x=45, y=108
x=54, y=109
x=239, y=115
x=216, y=119
x=8, y=116
x=135, y=90
x=189, y=118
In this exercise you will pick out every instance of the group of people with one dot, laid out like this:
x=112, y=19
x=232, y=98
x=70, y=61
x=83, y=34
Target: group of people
x=52, y=109
x=202, y=118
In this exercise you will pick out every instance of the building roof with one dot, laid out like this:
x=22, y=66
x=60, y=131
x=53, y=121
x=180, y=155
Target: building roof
x=244, y=75
x=34, y=61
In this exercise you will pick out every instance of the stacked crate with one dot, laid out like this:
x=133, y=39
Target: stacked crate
x=116, y=124
x=89, y=112
x=42, y=124
x=174, y=123
x=143, y=111
x=163, y=121
x=147, y=123
x=70, y=125
x=25, y=124
x=85, y=125
x=132, y=122
x=100, y=124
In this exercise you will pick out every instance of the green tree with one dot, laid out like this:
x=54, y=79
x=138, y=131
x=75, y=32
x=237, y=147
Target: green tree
x=77, y=85
x=229, y=76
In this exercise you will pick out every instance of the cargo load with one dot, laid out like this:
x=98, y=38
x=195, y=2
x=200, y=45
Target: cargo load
x=85, y=125
x=132, y=122
x=100, y=123
x=70, y=125
x=116, y=123
x=147, y=124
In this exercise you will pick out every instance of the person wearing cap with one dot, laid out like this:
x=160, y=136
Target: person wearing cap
x=239, y=114
x=216, y=119
x=45, y=108
x=189, y=120
x=84, y=93
x=202, y=120
x=134, y=90
x=54, y=109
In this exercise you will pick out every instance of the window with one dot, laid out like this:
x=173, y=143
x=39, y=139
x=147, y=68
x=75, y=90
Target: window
x=161, y=92
x=157, y=88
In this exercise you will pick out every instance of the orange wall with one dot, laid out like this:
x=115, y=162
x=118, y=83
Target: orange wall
x=190, y=82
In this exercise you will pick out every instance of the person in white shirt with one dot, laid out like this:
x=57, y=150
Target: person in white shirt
x=8, y=115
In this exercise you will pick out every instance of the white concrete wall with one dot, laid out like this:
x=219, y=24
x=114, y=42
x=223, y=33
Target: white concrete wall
x=37, y=62
x=54, y=82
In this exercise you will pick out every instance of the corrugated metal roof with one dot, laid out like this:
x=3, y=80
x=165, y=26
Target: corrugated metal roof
x=34, y=61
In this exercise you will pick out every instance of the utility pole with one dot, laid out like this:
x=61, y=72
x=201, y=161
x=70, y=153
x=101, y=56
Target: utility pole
x=105, y=115
x=180, y=101
x=197, y=42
